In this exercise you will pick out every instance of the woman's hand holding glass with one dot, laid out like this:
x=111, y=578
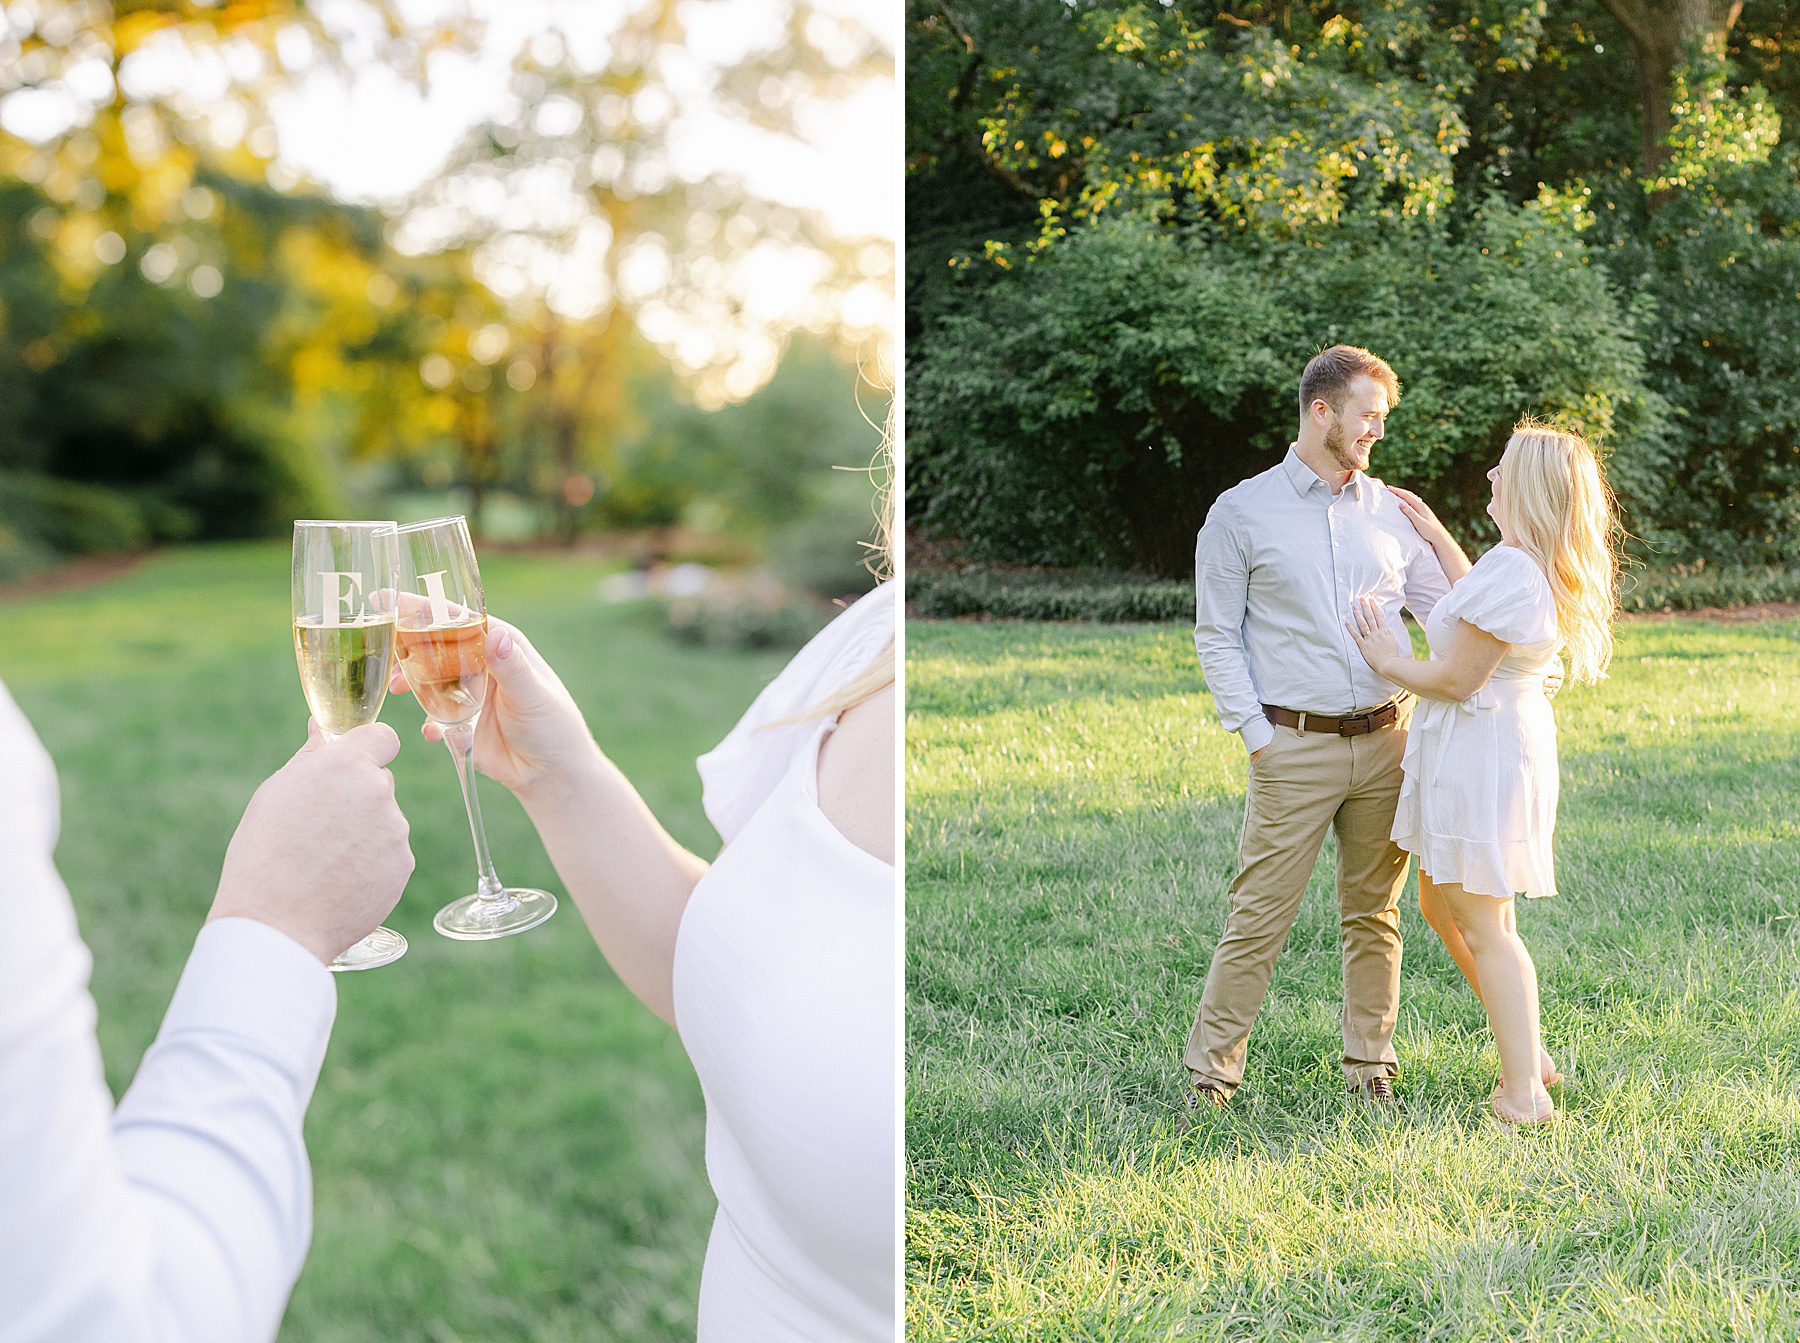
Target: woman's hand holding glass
x=628, y=876
x=441, y=634
x=530, y=732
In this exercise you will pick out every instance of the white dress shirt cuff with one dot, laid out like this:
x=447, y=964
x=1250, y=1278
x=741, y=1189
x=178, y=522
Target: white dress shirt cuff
x=1257, y=733
x=250, y=980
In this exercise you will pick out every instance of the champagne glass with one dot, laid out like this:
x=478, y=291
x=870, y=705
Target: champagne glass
x=441, y=635
x=344, y=642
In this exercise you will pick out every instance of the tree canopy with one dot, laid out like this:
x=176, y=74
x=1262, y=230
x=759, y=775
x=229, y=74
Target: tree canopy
x=1129, y=226
x=196, y=343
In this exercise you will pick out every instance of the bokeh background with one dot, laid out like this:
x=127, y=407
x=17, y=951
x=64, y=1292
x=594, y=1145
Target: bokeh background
x=614, y=279
x=571, y=267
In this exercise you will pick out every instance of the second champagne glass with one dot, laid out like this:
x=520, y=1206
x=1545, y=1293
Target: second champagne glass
x=440, y=638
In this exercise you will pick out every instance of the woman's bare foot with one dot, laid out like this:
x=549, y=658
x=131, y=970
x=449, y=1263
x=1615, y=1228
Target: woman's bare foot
x=1547, y=1069
x=1547, y=1073
x=1541, y=1108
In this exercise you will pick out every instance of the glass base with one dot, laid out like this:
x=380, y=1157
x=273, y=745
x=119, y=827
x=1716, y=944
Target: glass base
x=384, y=946
x=472, y=919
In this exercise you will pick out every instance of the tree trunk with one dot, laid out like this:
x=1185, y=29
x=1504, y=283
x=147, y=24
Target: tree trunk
x=1665, y=35
x=478, y=441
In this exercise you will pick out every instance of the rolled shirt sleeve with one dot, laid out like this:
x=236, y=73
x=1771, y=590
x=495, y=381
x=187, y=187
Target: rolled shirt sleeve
x=1221, y=593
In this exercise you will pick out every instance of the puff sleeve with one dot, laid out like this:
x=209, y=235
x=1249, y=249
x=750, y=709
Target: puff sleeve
x=1507, y=595
x=741, y=771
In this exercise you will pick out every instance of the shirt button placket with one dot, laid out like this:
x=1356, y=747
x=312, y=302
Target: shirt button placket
x=1337, y=583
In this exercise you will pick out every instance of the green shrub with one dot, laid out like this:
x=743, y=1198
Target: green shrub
x=1090, y=595
x=19, y=555
x=734, y=619
x=1114, y=598
x=1708, y=586
x=1722, y=267
x=821, y=548
x=72, y=518
x=1092, y=404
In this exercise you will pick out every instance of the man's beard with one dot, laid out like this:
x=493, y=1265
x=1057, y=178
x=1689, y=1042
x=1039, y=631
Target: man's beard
x=1346, y=457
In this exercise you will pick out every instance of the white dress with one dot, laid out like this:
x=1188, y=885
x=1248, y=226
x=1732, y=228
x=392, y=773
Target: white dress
x=784, y=996
x=1478, y=805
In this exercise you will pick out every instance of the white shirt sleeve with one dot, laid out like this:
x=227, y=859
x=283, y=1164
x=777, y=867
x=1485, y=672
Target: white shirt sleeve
x=1221, y=592
x=1424, y=584
x=185, y=1216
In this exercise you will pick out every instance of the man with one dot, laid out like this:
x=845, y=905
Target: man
x=1277, y=565
x=186, y=1214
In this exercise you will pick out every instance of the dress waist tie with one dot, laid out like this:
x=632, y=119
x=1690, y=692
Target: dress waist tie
x=1443, y=717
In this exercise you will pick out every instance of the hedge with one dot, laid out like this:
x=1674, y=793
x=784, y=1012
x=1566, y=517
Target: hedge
x=1109, y=597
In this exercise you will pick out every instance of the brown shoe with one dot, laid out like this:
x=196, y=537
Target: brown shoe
x=1377, y=1089
x=1203, y=1098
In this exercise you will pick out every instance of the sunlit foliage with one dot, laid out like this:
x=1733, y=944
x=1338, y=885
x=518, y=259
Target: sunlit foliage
x=196, y=342
x=1293, y=174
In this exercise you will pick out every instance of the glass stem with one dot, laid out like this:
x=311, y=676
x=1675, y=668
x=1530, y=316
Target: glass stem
x=460, y=738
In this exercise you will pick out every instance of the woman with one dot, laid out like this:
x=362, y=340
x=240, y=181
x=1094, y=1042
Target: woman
x=1478, y=805
x=775, y=964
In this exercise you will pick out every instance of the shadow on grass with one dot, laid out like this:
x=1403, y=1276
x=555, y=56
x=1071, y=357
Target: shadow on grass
x=1055, y=982
x=1071, y=835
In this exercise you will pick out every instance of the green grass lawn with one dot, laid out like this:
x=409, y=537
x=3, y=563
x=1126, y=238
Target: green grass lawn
x=1072, y=813
x=505, y=1144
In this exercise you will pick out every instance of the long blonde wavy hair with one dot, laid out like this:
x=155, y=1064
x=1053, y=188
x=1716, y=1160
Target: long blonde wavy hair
x=1555, y=502
x=879, y=674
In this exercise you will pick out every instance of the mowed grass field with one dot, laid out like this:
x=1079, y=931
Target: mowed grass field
x=505, y=1144
x=1073, y=810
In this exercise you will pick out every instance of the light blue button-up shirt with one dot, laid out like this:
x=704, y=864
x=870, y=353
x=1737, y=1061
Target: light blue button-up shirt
x=1276, y=568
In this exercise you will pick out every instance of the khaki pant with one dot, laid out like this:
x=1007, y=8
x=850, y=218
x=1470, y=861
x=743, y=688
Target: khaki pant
x=1301, y=784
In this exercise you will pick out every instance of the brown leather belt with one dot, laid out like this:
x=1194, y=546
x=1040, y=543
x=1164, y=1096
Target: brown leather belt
x=1354, y=726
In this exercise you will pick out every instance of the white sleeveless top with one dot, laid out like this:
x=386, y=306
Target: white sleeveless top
x=784, y=997
x=1478, y=804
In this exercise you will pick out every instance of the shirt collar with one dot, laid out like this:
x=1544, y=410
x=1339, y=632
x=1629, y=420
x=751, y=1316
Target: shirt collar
x=1302, y=477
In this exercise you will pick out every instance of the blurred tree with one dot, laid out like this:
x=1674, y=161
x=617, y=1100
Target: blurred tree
x=196, y=344
x=180, y=335
x=760, y=463
x=199, y=373
x=582, y=215
x=114, y=109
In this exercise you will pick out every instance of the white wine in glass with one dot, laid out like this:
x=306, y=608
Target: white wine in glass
x=441, y=641
x=343, y=670
x=343, y=586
